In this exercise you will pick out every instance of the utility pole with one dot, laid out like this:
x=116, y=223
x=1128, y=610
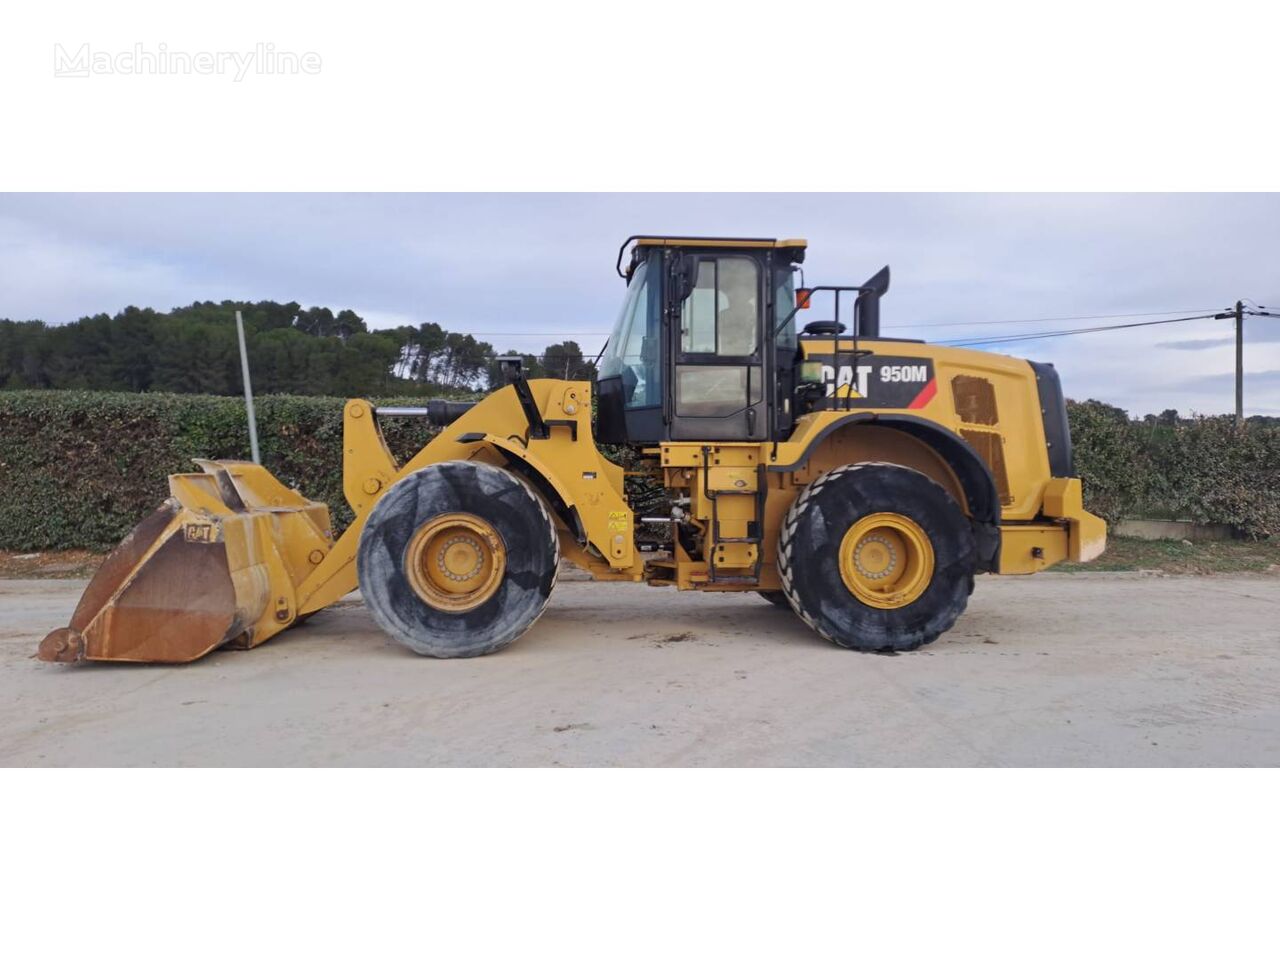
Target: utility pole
x=1237, y=313
x=1239, y=363
x=248, y=390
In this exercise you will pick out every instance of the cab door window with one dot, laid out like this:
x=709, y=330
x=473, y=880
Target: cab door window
x=704, y=390
x=718, y=373
x=721, y=315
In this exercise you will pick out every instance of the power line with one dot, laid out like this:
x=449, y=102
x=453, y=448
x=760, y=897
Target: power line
x=912, y=326
x=967, y=323
x=1079, y=330
x=512, y=333
x=1098, y=316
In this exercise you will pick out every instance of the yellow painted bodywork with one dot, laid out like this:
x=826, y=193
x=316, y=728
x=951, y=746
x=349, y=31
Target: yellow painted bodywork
x=218, y=564
x=1042, y=517
x=1043, y=520
x=1020, y=427
x=493, y=432
x=1087, y=534
x=273, y=544
x=733, y=489
x=281, y=558
x=284, y=564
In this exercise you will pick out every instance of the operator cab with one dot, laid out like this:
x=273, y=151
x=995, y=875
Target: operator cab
x=694, y=350
x=705, y=346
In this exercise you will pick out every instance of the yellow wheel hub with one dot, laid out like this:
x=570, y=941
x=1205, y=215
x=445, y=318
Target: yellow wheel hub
x=455, y=561
x=886, y=560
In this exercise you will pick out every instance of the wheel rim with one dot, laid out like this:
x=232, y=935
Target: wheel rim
x=455, y=561
x=886, y=560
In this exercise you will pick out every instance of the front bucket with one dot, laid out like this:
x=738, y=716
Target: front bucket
x=217, y=563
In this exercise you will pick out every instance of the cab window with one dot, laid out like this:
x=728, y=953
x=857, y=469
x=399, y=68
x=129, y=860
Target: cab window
x=633, y=351
x=784, y=302
x=721, y=314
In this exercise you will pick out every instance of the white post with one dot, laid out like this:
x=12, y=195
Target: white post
x=248, y=390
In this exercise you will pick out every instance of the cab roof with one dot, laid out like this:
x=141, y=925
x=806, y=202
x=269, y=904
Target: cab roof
x=715, y=242
x=647, y=240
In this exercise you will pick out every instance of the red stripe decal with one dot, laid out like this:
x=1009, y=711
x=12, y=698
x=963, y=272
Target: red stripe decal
x=927, y=393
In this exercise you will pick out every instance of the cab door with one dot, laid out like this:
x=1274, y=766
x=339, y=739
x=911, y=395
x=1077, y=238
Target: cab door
x=717, y=384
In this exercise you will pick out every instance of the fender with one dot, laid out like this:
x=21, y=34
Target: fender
x=970, y=469
x=592, y=511
x=589, y=507
x=528, y=465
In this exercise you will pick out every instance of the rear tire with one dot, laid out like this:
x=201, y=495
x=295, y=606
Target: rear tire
x=458, y=559
x=877, y=557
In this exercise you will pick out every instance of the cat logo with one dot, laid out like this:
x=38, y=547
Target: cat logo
x=891, y=382
x=200, y=533
x=841, y=384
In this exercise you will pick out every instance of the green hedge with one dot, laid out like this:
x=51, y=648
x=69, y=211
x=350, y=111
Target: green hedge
x=78, y=470
x=1107, y=452
x=1201, y=468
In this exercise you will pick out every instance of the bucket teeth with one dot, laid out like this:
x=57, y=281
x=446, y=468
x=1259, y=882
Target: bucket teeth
x=63, y=645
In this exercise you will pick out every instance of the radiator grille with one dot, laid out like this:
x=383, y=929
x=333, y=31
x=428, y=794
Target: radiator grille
x=990, y=448
x=975, y=399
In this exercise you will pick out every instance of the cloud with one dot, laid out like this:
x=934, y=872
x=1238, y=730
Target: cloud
x=1256, y=330
x=43, y=271
x=1265, y=379
x=515, y=268
x=1196, y=344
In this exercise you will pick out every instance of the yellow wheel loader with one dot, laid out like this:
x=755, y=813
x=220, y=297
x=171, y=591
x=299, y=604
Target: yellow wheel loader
x=859, y=480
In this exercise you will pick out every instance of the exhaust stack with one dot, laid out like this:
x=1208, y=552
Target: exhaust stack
x=866, y=309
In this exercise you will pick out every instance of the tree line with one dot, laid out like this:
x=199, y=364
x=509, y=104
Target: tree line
x=193, y=349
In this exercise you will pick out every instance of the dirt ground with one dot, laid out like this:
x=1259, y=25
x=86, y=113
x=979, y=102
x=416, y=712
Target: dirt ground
x=49, y=564
x=1053, y=670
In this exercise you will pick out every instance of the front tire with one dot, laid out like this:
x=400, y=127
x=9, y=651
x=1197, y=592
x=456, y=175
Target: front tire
x=458, y=559
x=877, y=557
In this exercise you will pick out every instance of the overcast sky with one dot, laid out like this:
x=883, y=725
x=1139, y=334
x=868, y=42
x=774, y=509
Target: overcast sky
x=524, y=270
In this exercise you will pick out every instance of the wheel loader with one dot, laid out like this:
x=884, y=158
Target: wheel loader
x=859, y=480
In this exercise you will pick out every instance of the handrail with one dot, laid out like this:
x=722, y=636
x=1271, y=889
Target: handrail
x=809, y=298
